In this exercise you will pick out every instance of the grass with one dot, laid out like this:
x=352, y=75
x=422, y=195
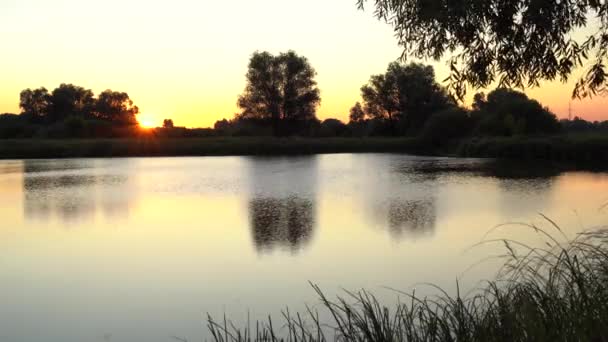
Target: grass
x=555, y=293
x=580, y=148
x=212, y=146
x=579, y=151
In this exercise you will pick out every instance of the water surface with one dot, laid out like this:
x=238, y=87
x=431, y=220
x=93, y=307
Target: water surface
x=141, y=249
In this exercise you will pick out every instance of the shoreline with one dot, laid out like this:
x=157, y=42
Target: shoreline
x=578, y=151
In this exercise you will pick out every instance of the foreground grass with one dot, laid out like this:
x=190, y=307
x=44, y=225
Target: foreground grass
x=559, y=293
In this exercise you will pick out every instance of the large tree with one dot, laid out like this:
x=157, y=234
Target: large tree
x=34, y=103
x=116, y=107
x=281, y=89
x=509, y=112
x=404, y=96
x=516, y=43
x=70, y=100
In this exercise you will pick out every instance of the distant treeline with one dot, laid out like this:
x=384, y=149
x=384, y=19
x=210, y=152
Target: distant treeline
x=281, y=99
x=71, y=111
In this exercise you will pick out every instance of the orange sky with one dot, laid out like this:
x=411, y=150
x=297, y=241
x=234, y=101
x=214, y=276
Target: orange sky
x=187, y=59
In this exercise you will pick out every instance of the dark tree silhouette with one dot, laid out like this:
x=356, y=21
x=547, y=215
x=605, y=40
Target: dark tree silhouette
x=116, y=107
x=34, y=103
x=69, y=100
x=515, y=42
x=332, y=128
x=280, y=89
x=509, y=112
x=168, y=123
x=405, y=94
x=356, y=113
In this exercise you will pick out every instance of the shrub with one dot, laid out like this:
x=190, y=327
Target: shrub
x=446, y=125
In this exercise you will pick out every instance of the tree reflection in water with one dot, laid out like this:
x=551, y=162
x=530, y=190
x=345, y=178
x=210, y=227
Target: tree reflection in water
x=412, y=217
x=282, y=206
x=281, y=222
x=75, y=190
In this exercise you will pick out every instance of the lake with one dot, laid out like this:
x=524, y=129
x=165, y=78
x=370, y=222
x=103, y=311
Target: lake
x=141, y=249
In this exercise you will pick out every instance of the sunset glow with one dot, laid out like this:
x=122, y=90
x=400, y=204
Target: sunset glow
x=147, y=120
x=190, y=60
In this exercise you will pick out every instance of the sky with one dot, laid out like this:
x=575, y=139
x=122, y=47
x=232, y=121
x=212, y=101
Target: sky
x=186, y=59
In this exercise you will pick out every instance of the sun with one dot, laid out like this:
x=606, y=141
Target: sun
x=146, y=121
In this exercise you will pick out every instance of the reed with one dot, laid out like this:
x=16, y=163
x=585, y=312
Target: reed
x=555, y=293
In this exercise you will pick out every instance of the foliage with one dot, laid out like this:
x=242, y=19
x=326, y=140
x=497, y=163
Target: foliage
x=75, y=127
x=332, y=128
x=69, y=100
x=14, y=126
x=356, y=113
x=116, y=107
x=405, y=96
x=280, y=89
x=578, y=125
x=506, y=112
x=447, y=125
x=581, y=149
x=514, y=42
x=71, y=111
x=168, y=123
x=34, y=103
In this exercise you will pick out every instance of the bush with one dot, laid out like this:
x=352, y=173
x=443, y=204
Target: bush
x=16, y=126
x=332, y=128
x=507, y=112
x=446, y=125
x=75, y=127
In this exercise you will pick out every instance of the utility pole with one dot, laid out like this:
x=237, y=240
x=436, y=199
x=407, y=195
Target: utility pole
x=570, y=110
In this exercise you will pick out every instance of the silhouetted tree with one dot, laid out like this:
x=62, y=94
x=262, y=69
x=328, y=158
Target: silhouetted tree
x=168, y=123
x=578, y=124
x=69, y=100
x=280, y=89
x=332, y=128
x=508, y=112
x=116, y=107
x=356, y=113
x=405, y=94
x=515, y=42
x=479, y=100
x=34, y=103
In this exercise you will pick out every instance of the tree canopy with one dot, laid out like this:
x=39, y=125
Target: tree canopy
x=404, y=96
x=516, y=43
x=279, y=89
x=508, y=112
x=115, y=106
x=68, y=100
x=168, y=123
x=34, y=103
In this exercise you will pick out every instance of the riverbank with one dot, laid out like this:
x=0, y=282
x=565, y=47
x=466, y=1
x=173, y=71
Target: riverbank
x=583, y=149
x=212, y=146
x=572, y=149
